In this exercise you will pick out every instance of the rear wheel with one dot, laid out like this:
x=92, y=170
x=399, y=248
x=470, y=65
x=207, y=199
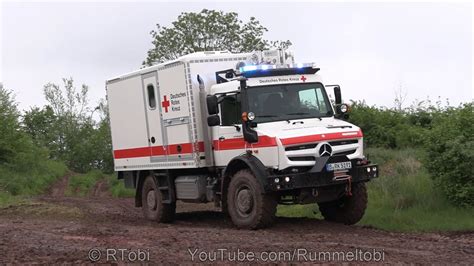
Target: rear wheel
x=247, y=204
x=348, y=209
x=152, y=204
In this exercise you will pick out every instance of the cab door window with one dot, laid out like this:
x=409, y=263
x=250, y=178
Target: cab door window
x=231, y=110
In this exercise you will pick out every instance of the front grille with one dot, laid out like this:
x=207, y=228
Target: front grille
x=349, y=152
x=343, y=142
x=301, y=147
x=303, y=158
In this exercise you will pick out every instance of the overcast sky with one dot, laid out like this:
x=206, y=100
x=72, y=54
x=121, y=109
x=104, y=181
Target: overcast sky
x=369, y=48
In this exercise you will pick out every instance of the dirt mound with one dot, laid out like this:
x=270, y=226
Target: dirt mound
x=59, y=187
x=101, y=189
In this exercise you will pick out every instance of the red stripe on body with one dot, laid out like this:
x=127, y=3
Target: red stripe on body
x=231, y=144
x=186, y=148
x=131, y=153
x=321, y=137
x=239, y=143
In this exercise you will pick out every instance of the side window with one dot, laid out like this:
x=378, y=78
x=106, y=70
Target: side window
x=151, y=96
x=308, y=99
x=321, y=103
x=230, y=110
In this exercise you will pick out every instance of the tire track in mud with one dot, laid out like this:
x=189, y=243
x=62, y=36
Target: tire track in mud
x=64, y=229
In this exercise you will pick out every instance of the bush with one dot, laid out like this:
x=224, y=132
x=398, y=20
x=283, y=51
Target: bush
x=117, y=188
x=450, y=153
x=403, y=198
x=390, y=128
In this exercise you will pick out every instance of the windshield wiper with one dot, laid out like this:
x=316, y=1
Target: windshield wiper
x=267, y=116
x=339, y=127
x=299, y=113
x=303, y=113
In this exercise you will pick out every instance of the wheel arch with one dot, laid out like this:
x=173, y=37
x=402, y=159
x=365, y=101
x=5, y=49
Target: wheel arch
x=244, y=162
x=141, y=175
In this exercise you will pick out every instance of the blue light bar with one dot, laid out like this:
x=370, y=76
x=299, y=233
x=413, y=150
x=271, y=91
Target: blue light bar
x=248, y=68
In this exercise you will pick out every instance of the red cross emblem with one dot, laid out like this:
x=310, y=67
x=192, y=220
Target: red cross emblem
x=303, y=78
x=165, y=104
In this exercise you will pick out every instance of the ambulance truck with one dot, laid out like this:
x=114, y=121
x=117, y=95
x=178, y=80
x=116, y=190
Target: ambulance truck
x=246, y=131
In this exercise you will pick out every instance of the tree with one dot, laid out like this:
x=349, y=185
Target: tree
x=9, y=126
x=17, y=151
x=42, y=126
x=66, y=128
x=208, y=30
x=70, y=108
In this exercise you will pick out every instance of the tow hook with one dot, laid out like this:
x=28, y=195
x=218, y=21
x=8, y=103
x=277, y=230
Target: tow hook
x=349, y=187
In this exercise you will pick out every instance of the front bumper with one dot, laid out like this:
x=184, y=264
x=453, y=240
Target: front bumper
x=319, y=177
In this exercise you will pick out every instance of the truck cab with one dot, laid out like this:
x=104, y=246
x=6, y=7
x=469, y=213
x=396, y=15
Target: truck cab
x=282, y=121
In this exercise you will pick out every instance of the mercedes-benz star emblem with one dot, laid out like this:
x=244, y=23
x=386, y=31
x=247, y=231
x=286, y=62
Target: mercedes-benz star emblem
x=325, y=150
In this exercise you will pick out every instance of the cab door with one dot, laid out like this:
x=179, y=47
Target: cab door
x=228, y=137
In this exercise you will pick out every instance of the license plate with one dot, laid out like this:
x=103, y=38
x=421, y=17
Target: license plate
x=338, y=166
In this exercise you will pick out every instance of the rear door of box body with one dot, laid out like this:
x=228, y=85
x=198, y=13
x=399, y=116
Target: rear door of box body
x=153, y=116
x=175, y=109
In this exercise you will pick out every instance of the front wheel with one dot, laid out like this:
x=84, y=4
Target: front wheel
x=247, y=204
x=152, y=204
x=348, y=209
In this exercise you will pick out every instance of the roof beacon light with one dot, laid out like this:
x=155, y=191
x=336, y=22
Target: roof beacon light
x=256, y=67
x=248, y=68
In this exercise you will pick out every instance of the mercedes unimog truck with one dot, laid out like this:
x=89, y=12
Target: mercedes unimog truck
x=246, y=131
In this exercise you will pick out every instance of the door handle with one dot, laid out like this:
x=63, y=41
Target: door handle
x=221, y=138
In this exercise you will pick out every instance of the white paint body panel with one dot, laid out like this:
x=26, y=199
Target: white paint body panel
x=178, y=126
x=133, y=123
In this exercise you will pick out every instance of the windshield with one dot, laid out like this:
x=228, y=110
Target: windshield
x=288, y=102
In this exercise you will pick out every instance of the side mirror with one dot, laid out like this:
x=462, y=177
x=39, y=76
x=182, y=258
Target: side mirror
x=250, y=135
x=337, y=95
x=213, y=120
x=212, y=105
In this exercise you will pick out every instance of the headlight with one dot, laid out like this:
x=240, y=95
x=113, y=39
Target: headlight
x=344, y=108
x=277, y=180
x=251, y=116
x=287, y=179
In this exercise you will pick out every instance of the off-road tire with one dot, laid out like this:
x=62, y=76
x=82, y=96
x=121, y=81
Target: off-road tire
x=348, y=209
x=244, y=185
x=159, y=211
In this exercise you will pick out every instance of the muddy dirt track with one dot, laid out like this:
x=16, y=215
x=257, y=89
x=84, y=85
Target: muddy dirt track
x=58, y=229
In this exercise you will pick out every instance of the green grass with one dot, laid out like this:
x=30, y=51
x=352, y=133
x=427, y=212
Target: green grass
x=117, y=188
x=403, y=198
x=15, y=185
x=82, y=184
